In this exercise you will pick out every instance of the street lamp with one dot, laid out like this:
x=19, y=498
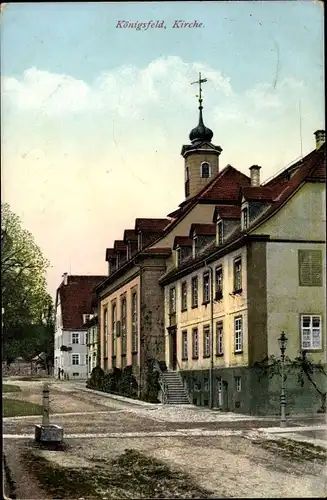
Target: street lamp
x=282, y=341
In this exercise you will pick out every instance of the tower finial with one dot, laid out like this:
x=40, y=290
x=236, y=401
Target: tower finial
x=199, y=81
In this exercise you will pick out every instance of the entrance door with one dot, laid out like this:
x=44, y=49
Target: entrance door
x=173, y=350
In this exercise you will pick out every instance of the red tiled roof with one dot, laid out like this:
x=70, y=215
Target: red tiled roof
x=130, y=235
x=182, y=241
x=315, y=165
x=226, y=212
x=119, y=246
x=263, y=193
x=202, y=229
x=225, y=186
x=76, y=299
x=151, y=224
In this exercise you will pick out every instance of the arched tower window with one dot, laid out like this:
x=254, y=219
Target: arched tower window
x=187, y=182
x=205, y=170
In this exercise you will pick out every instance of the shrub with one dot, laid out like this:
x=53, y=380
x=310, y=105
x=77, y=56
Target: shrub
x=95, y=381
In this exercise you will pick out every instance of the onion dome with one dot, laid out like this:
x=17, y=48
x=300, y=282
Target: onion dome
x=201, y=132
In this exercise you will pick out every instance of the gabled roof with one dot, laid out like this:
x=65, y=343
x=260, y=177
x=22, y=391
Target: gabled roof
x=226, y=212
x=130, y=235
x=258, y=193
x=202, y=230
x=182, y=241
x=311, y=169
x=153, y=225
x=76, y=299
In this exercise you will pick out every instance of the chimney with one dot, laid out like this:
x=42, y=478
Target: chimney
x=65, y=276
x=320, y=138
x=255, y=175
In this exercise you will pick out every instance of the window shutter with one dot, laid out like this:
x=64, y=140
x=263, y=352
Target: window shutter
x=310, y=267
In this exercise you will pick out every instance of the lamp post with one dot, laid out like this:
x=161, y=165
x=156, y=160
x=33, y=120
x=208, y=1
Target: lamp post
x=282, y=341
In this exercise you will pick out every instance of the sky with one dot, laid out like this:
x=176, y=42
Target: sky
x=94, y=114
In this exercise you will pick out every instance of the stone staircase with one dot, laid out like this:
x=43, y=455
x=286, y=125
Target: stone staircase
x=174, y=388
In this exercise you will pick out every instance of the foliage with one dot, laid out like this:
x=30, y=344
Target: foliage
x=10, y=388
x=116, y=381
x=28, y=310
x=17, y=408
x=301, y=365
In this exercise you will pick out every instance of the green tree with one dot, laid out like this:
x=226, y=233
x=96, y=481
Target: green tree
x=28, y=309
x=302, y=366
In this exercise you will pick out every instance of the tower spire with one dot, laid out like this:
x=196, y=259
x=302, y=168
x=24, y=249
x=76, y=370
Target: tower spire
x=201, y=132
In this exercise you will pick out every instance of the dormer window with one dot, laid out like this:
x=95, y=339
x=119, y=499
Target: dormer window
x=139, y=240
x=205, y=170
x=220, y=233
x=195, y=240
x=128, y=250
x=245, y=218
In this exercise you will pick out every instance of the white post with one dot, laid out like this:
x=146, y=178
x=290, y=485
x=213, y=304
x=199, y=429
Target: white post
x=45, y=405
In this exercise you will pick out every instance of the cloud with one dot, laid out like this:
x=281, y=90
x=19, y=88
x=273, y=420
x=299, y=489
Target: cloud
x=126, y=89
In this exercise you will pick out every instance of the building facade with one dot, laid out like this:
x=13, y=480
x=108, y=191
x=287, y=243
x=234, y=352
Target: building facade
x=73, y=308
x=231, y=289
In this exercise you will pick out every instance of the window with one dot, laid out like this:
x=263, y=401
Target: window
x=245, y=218
x=134, y=324
x=205, y=170
x=195, y=291
x=139, y=240
x=187, y=182
x=219, y=282
x=238, y=384
x=172, y=300
x=123, y=326
x=75, y=359
x=105, y=332
x=310, y=267
x=237, y=275
x=206, y=341
x=178, y=256
x=206, y=288
x=220, y=233
x=195, y=343
x=194, y=247
x=184, y=296
x=311, y=332
x=184, y=345
x=238, y=334
x=113, y=328
x=219, y=338
x=75, y=338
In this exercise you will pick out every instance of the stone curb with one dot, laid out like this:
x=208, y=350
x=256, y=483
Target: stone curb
x=118, y=398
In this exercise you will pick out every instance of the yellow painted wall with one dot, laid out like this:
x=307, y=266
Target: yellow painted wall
x=224, y=310
x=200, y=214
x=128, y=289
x=286, y=300
x=302, y=217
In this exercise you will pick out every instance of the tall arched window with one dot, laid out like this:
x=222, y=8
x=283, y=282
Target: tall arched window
x=205, y=170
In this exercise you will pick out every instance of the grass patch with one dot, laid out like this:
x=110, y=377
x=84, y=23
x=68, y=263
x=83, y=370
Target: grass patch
x=131, y=475
x=10, y=388
x=17, y=408
x=294, y=450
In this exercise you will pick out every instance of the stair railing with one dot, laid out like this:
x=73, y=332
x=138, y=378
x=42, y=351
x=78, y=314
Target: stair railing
x=162, y=383
x=184, y=382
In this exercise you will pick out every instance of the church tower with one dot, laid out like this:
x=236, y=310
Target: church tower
x=201, y=157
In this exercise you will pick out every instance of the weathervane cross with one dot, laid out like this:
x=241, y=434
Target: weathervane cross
x=199, y=81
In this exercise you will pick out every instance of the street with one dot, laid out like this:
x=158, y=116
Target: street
x=230, y=455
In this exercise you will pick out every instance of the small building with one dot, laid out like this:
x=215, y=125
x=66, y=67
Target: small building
x=73, y=309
